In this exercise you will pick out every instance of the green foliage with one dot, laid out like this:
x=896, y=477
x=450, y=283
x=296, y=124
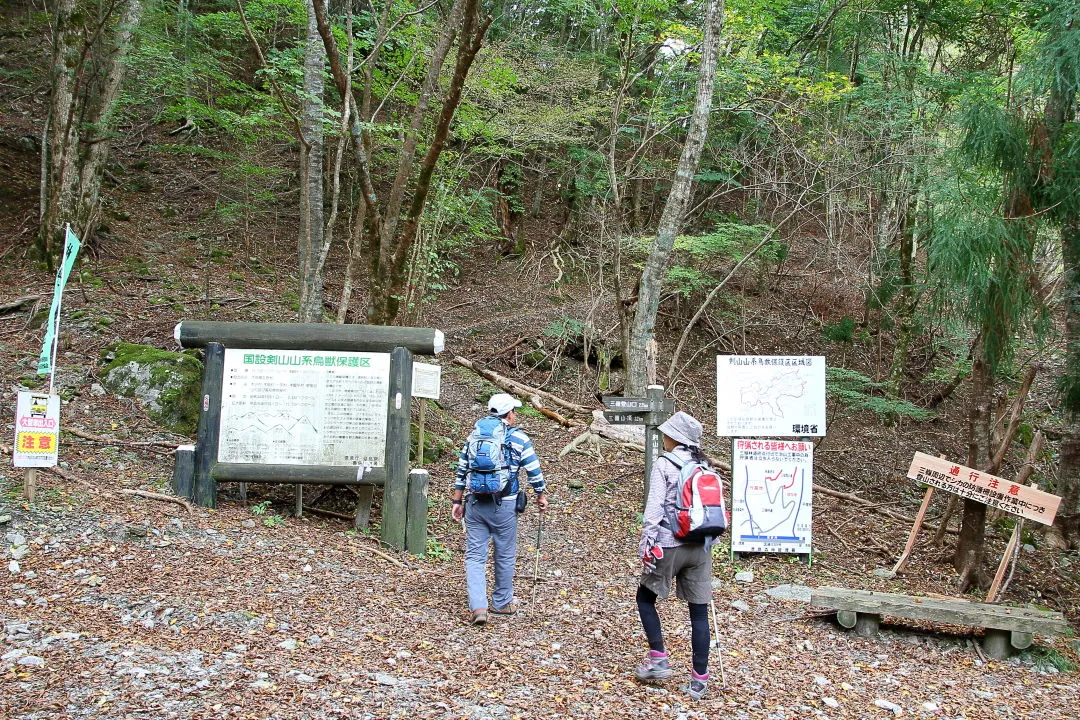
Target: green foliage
x=842, y=331
x=565, y=328
x=260, y=508
x=437, y=551
x=855, y=391
x=1047, y=659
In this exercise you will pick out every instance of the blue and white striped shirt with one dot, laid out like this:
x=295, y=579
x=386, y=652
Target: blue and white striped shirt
x=522, y=457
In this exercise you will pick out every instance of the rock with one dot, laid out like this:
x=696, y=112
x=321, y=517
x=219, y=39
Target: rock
x=97, y=389
x=5, y=519
x=19, y=552
x=985, y=695
x=138, y=531
x=799, y=593
x=167, y=384
x=248, y=523
x=883, y=573
x=819, y=680
x=15, y=539
x=575, y=483
x=740, y=605
x=1028, y=547
x=261, y=685
x=384, y=679
x=13, y=567
x=289, y=644
x=31, y=661
x=831, y=702
x=746, y=576
x=304, y=678
x=930, y=707
x=314, y=641
x=13, y=655
x=886, y=705
x=211, y=531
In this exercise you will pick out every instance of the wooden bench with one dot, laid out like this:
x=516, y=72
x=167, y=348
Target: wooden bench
x=1006, y=627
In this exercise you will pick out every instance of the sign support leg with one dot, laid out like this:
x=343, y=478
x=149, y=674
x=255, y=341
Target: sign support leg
x=30, y=483
x=209, y=430
x=396, y=489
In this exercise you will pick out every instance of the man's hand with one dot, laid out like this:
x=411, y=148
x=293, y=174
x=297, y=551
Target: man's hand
x=541, y=501
x=457, y=511
x=648, y=560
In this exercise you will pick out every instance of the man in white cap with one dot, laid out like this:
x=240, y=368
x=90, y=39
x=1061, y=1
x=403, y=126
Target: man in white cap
x=665, y=559
x=490, y=510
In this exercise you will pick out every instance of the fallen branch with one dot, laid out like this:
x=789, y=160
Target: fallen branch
x=587, y=436
x=159, y=496
x=534, y=400
x=875, y=507
x=19, y=302
x=381, y=554
x=114, y=441
x=517, y=388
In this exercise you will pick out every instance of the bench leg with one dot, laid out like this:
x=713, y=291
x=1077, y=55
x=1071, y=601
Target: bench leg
x=1021, y=640
x=846, y=618
x=996, y=643
x=866, y=624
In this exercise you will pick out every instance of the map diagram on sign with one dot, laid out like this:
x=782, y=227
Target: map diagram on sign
x=770, y=396
x=771, y=496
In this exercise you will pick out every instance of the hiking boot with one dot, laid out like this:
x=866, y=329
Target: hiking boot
x=507, y=609
x=479, y=617
x=654, y=667
x=697, y=686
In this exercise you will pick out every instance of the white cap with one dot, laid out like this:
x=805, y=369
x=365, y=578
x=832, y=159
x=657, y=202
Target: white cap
x=501, y=403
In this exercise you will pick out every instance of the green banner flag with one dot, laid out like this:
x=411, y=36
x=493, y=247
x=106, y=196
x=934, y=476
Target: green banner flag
x=48, y=348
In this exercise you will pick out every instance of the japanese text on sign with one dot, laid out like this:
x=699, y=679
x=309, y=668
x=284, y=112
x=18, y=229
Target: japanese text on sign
x=37, y=430
x=770, y=396
x=1027, y=502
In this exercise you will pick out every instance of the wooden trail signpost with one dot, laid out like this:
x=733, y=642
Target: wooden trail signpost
x=650, y=411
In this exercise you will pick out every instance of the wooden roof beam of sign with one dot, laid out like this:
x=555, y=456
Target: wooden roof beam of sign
x=309, y=336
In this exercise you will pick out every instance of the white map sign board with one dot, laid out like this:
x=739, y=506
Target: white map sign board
x=767, y=396
x=37, y=430
x=426, y=380
x=771, y=496
x=304, y=407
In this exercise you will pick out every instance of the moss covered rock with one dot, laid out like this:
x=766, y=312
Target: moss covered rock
x=166, y=383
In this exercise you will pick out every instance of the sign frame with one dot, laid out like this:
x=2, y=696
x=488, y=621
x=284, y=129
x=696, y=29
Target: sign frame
x=37, y=418
x=778, y=396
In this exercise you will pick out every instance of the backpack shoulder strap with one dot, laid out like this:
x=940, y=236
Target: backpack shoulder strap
x=673, y=459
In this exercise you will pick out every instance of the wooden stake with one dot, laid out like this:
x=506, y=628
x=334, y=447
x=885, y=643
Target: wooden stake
x=914, y=531
x=30, y=483
x=420, y=434
x=1005, y=558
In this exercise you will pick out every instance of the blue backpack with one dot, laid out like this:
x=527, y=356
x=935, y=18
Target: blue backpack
x=487, y=454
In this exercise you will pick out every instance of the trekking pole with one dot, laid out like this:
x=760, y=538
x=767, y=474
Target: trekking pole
x=536, y=564
x=716, y=636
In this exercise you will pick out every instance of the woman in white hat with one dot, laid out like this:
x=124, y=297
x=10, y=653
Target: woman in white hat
x=666, y=559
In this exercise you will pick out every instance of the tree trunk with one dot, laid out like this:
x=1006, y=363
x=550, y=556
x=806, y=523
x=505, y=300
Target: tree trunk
x=310, y=241
x=971, y=546
x=1069, y=463
x=85, y=86
x=671, y=220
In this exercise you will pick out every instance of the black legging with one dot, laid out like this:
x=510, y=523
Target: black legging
x=699, y=627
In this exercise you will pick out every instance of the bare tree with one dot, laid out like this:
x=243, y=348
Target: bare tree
x=652, y=277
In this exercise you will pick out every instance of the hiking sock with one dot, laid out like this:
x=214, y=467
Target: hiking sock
x=650, y=619
x=699, y=636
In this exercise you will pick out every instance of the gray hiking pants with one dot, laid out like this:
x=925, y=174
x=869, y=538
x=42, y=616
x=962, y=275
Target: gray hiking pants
x=486, y=521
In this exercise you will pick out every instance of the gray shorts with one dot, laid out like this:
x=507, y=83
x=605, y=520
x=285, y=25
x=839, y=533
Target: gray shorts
x=690, y=566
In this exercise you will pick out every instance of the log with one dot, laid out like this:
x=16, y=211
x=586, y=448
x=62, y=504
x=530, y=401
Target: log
x=517, y=388
x=534, y=400
x=309, y=336
x=17, y=303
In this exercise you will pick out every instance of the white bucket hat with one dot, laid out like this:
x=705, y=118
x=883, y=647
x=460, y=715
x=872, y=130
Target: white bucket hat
x=683, y=429
x=501, y=403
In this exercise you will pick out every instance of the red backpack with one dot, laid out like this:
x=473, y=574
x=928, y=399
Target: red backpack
x=700, y=512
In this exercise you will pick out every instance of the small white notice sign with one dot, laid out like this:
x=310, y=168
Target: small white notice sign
x=769, y=396
x=426, y=380
x=37, y=430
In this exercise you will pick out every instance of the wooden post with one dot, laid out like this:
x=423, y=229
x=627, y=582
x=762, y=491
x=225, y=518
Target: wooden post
x=208, y=432
x=420, y=435
x=653, y=448
x=1005, y=558
x=396, y=489
x=416, y=514
x=364, y=496
x=914, y=532
x=30, y=483
x=183, y=476
x=298, y=511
